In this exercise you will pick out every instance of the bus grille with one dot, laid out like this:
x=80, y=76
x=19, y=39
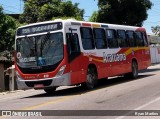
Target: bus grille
x=32, y=83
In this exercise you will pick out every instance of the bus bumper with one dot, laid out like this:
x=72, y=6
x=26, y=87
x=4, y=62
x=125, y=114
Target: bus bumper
x=64, y=80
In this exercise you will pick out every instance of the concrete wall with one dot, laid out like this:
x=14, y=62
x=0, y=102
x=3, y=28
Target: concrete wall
x=155, y=54
x=2, y=86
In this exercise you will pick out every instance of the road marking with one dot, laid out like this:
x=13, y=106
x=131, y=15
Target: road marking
x=57, y=100
x=47, y=103
x=140, y=107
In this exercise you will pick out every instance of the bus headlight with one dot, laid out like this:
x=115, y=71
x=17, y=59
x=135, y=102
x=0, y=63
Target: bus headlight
x=18, y=75
x=61, y=71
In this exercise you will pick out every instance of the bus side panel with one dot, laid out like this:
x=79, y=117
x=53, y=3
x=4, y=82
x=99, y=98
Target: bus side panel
x=124, y=65
x=77, y=70
x=120, y=66
x=147, y=58
x=104, y=70
x=140, y=57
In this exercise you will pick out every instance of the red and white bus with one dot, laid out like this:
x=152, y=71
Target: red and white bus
x=69, y=52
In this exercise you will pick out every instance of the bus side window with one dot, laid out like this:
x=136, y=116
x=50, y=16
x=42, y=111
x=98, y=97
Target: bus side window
x=131, y=39
x=100, y=38
x=144, y=39
x=87, y=38
x=139, y=39
x=73, y=45
x=111, y=38
x=122, y=38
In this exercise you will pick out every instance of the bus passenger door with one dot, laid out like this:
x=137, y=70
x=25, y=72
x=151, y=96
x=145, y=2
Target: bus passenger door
x=74, y=55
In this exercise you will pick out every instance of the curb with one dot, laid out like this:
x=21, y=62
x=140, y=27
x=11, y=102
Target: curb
x=9, y=92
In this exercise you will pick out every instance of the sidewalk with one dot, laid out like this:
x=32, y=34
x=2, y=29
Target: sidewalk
x=154, y=66
x=9, y=92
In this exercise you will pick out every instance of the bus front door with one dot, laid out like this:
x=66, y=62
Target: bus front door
x=74, y=58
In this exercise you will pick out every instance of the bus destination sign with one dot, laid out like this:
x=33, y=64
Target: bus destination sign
x=39, y=28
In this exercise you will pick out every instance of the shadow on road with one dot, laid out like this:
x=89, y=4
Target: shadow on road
x=78, y=90
x=149, y=70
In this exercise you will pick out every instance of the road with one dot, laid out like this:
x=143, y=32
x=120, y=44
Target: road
x=116, y=93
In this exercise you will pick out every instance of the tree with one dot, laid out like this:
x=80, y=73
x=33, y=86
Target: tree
x=43, y=10
x=156, y=30
x=94, y=16
x=8, y=27
x=127, y=12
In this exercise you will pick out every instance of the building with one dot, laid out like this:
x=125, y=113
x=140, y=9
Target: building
x=153, y=39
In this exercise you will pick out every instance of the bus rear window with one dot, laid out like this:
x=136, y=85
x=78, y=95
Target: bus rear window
x=144, y=38
x=139, y=39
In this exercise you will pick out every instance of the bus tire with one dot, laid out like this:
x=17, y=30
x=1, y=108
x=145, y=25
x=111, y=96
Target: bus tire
x=91, y=80
x=50, y=90
x=134, y=73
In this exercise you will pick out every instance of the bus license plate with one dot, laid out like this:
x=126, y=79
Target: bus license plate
x=38, y=85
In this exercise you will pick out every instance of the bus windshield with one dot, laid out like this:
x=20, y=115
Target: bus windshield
x=41, y=50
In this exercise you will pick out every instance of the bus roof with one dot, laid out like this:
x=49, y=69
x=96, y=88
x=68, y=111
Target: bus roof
x=88, y=24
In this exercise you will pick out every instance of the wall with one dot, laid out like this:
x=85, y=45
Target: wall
x=155, y=54
x=2, y=86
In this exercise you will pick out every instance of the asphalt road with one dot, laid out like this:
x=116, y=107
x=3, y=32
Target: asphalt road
x=116, y=93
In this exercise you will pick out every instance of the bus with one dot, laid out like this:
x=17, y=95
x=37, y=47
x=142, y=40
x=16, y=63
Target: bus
x=69, y=52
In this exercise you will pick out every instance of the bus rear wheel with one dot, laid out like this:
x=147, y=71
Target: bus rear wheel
x=134, y=72
x=91, y=80
x=50, y=90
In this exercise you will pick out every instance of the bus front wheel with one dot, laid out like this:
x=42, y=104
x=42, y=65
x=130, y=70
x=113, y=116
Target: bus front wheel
x=91, y=79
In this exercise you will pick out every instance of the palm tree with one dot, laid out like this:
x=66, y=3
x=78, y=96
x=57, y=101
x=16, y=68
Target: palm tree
x=156, y=30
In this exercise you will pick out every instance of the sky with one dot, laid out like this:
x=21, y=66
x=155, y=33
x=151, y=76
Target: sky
x=16, y=6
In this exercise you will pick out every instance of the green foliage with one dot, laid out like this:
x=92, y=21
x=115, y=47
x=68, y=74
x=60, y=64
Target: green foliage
x=156, y=30
x=8, y=26
x=44, y=10
x=94, y=16
x=127, y=12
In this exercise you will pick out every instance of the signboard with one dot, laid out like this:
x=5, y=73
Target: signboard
x=39, y=28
